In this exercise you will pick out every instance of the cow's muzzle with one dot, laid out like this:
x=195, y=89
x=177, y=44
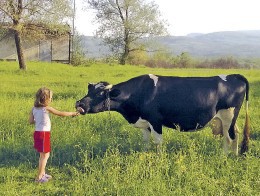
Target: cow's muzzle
x=81, y=107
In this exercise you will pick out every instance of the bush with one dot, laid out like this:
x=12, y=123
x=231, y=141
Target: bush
x=223, y=63
x=138, y=57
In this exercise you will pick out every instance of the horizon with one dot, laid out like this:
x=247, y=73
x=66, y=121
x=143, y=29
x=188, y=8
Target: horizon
x=191, y=34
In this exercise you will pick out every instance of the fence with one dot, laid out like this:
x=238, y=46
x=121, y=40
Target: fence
x=57, y=50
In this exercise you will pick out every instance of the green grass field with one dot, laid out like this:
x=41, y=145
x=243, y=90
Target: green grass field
x=102, y=154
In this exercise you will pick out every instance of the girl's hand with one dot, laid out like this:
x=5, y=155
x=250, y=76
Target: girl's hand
x=80, y=110
x=75, y=114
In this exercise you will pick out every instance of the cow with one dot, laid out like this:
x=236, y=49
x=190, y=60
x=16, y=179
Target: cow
x=189, y=104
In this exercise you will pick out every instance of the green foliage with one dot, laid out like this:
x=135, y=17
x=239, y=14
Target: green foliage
x=123, y=24
x=34, y=20
x=222, y=63
x=102, y=154
x=166, y=59
x=78, y=56
x=138, y=57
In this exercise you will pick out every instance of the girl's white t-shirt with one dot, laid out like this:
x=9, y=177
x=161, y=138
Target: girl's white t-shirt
x=42, y=119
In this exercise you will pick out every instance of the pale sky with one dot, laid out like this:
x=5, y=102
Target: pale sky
x=193, y=16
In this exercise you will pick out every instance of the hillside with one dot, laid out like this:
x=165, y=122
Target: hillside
x=244, y=44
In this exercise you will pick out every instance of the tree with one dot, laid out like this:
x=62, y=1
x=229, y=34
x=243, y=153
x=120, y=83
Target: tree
x=183, y=60
x=78, y=57
x=123, y=24
x=32, y=19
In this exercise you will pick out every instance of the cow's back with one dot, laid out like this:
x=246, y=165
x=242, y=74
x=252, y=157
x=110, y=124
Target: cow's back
x=193, y=101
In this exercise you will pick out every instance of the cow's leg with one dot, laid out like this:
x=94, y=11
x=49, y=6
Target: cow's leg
x=226, y=117
x=146, y=138
x=223, y=123
x=233, y=130
x=145, y=127
x=234, y=145
x=226, y=140
x=157, y=140
x=156, y=131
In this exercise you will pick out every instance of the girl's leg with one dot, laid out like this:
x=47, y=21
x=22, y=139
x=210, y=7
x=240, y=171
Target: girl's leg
x=42, y=163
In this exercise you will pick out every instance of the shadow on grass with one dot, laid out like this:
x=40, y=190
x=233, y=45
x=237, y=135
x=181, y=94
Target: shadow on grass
x=76, y=151
x=67, y=152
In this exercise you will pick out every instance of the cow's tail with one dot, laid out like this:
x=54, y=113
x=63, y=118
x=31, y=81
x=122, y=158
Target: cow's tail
x=246, y=133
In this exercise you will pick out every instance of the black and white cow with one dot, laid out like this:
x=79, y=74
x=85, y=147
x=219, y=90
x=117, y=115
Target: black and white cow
x=188, y=103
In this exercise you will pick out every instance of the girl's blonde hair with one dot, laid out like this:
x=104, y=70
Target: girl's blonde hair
x=43, y=97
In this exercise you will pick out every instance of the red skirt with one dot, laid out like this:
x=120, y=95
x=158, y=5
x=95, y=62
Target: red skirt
x=42, y=141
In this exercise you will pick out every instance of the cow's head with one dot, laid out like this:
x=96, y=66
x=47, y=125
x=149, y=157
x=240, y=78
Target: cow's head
x=96, y=100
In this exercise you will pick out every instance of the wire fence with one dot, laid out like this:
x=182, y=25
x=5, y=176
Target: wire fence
x=57, y=50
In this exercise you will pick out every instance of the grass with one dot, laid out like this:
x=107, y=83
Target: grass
x=102, y=154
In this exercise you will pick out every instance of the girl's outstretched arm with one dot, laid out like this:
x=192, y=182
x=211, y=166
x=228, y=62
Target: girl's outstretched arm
x=61, y=113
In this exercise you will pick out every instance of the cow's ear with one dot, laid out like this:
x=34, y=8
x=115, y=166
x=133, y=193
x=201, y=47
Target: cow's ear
x=90, y=85
x=114, y=93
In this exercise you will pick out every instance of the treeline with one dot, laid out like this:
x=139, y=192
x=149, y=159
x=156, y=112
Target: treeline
x=184, y=60
x=164, y=59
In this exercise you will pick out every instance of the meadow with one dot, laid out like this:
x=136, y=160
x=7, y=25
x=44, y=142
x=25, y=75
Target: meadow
x=101, y=154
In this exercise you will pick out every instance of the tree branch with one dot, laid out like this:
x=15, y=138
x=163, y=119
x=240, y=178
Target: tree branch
x=120, y=12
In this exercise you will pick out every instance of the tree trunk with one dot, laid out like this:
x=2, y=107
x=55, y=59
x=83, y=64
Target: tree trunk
x=124, y=56
x=126, y=49
x=19, y=49
x=17, y=35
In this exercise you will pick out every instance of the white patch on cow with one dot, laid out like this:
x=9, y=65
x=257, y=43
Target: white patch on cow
x=99, y=85
x=144, y=125
x=221, y=123
x=157, y=140
x=223, y=77
x=154, y=78
x=146, y=138
x=157, y=137
x=146, y=134
x=216, y=126
x=141, y=123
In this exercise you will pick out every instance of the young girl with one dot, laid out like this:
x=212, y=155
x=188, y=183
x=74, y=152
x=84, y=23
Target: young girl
x=40, y=117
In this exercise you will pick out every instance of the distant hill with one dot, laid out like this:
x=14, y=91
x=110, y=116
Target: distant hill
x=244, y=44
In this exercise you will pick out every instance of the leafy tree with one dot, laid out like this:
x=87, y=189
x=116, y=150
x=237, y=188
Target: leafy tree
x=123, y=24
x=33, y=19
x=138, y=57
x=161, y=58
x=78, y=57
x=183, y=60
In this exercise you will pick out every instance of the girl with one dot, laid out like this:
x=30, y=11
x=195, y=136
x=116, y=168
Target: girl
x=39, y=116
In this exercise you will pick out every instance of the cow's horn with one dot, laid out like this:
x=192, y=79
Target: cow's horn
x=108, y=86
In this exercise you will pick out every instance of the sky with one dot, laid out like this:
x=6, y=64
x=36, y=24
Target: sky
x=192, y=16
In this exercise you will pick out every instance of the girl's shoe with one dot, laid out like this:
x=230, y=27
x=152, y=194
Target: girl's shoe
x=42, y=180
x=48, y=176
